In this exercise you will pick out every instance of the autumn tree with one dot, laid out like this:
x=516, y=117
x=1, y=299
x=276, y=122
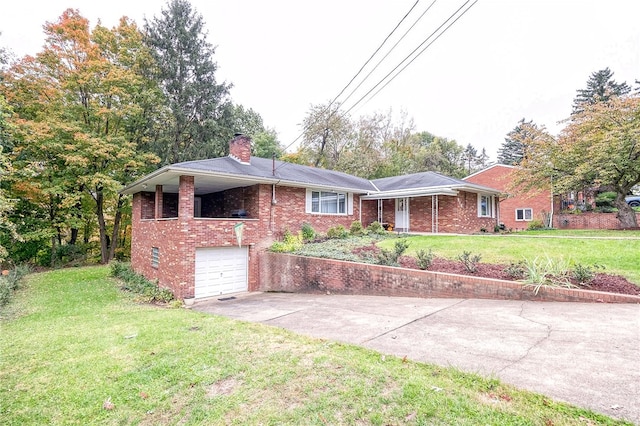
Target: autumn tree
x=326, y=133
x=6, y=205
x=600, y=88
x=198, y=109
x=78, y=112
x=599, y=148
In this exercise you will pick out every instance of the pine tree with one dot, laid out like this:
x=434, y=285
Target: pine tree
x=512, y=149
x=198, y=105
x=600, y=88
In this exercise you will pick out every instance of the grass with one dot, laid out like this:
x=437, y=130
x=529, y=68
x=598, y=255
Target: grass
x=618, y=256
x=75, y=350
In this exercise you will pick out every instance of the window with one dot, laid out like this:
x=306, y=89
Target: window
x=155, y=257
x=328, y=202
x=485, y=205
x=524, y=214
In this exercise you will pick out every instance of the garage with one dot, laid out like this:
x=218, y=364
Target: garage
x=220, y=270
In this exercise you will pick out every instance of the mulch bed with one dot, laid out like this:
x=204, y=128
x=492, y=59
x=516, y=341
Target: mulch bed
x=601, y=282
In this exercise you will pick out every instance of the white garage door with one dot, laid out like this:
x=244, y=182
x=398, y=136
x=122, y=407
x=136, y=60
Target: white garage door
x=221, y=270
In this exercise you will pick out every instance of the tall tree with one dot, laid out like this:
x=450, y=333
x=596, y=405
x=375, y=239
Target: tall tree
x=6, y=205
x=512, y=151
x=326, y=133
x=600, y=88
x=78, y=108
x=198, y=105
x=599, y=147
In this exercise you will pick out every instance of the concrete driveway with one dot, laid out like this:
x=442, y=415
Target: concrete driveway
x=585, y=354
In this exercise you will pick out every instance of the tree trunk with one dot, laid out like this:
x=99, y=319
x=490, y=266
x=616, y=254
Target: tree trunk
x=626, y=215
x=104, y=244
x=116, y=228
x=74, y=236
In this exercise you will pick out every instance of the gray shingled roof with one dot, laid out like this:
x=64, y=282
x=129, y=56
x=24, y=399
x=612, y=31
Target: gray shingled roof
x=417, y=180
x=289, y=172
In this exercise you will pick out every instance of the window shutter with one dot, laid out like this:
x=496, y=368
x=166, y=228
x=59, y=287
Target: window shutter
x=350, y=203
x=308, y=201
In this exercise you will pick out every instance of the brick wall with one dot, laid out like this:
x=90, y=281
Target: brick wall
x=455, y=214
x=499, y=177
x=290, y=212
x=289, y=273
x=589, y=221
x=177, y=238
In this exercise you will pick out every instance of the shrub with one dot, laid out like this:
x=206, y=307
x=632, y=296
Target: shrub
x=584, y=274
x=337, y=232
x=147, y=291
x=11, y=282
x=289, y=243
x=606, y=199
x=308, y=233
x=390, y=257
x=375, y=228
x=535, y=224
x=424, y=258
x=470, y=261
x=516, y=270
x=356, y=228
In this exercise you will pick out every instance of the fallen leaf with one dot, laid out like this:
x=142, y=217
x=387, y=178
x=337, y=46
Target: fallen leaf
x=404, y=359
x=144, y=395
x=108, y=405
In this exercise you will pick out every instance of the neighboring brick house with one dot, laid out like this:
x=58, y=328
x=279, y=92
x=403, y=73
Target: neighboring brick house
x=198, y=227
x=517, y=208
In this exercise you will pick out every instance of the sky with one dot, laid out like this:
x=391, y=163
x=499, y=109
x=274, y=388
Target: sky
x=502, y=61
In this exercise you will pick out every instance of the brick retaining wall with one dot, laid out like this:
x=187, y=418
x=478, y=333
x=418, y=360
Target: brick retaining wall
x=300, y=274
x=589, y=220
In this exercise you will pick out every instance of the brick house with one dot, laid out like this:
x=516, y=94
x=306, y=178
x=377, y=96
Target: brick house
x=517, y=208
x=199, y=227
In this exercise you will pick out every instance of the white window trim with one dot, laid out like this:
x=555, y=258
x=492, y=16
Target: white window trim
x=492, y=205
x=524, y=215
x=348, y=201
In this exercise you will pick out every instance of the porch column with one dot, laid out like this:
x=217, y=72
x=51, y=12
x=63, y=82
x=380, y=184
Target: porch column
x=158, y=203
x=185, y=197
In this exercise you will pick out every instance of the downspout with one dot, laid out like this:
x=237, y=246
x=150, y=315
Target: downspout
x=551, y=211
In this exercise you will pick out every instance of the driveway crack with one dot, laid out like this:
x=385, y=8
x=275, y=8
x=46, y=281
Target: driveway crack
x=414, y=320
x=535, y=344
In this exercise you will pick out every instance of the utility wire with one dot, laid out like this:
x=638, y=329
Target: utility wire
x=412, y=53
x=416, y=57
x=361, y=68
x=389, y=52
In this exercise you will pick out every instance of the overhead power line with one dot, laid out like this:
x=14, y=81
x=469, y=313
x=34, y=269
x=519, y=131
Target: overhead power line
x=363, y=66
x=411, y=57
x=412, y=53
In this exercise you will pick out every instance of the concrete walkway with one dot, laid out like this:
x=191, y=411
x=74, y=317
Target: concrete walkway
x=585, y=354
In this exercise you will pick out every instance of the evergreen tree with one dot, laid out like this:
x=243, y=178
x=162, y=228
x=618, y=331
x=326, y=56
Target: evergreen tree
x=471, y=157
x=197, y=124
x=600, y=88
x=512, y=150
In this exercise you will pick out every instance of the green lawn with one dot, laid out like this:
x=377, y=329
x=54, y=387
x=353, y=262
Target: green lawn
x=617, y=251
x=71, y=342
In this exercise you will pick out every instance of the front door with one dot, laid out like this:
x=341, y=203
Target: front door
x=402, y=215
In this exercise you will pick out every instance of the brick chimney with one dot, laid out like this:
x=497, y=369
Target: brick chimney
x=240, y=148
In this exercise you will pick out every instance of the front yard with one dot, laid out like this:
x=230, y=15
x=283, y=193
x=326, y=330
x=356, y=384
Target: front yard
x=76, y=350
